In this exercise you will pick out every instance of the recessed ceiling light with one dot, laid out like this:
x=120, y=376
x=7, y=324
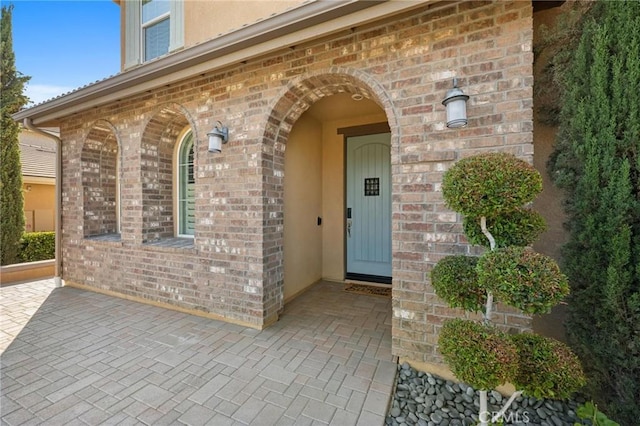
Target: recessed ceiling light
x=357, y=97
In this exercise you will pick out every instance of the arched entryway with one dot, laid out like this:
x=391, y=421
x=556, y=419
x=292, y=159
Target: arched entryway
x=310, y=121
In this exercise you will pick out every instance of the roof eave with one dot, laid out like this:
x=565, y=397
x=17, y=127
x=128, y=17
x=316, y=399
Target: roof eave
x=289, y=22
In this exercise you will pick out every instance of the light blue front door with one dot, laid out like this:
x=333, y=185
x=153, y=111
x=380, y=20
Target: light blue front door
x=368, y=230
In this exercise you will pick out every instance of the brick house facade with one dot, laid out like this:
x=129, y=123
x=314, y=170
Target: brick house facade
x=117, y=172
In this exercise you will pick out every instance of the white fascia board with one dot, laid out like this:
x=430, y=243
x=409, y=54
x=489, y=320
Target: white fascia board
x=310, y=21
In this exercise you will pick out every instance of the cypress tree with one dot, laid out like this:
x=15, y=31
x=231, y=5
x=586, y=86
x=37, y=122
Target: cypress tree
x=597, y=161
x=11, y=100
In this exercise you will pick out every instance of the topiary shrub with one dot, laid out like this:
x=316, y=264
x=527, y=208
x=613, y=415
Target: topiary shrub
x=490, y=190
x=455, y=280
x=520, y=227
x=522, y=278
x=547, y=368
x=490, y=184
x=35, y=246
x=481, y=356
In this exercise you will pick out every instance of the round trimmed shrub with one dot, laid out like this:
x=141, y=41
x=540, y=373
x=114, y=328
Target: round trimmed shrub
x=522, y=278
x=520, y=227
x=479, y=355
x=455, y=280
x=490, y=184
x=547, y=367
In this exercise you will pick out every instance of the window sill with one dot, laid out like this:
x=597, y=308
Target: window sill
x=172, y=243
x=111, y=238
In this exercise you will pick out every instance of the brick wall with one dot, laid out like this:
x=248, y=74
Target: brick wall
x=234, y=268
x=99, y=182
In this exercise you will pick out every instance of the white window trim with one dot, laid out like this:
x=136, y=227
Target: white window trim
x=176, y=25
x=133, y=31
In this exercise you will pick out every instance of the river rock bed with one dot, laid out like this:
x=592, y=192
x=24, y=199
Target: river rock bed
x=427, y=400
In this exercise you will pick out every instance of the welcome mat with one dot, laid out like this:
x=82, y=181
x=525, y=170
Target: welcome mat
x=368, y=289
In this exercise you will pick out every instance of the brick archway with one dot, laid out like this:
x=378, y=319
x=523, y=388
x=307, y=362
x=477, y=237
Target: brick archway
x=156, y=169
x=298, y=96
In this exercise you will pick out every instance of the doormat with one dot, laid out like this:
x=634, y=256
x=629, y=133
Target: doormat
x=368, y=289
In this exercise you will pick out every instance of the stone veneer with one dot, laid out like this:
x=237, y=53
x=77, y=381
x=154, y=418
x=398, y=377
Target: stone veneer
x=233, y=269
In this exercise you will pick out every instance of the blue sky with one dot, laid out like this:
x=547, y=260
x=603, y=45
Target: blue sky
x=64, y=45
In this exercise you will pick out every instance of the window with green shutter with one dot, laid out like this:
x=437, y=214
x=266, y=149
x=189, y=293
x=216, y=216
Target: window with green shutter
x=186, y=187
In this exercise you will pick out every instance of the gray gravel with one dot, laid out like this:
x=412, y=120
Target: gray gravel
x=427, y=400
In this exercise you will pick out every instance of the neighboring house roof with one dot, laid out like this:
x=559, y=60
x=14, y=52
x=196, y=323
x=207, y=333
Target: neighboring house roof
x=292, y=27
x=37, y=155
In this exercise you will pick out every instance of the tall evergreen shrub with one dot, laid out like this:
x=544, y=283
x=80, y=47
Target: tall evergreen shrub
x=597, y=161
x=11, y=100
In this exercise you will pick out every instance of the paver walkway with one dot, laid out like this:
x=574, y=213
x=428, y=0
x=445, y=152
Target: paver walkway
x=17, y=304
x=87, y=358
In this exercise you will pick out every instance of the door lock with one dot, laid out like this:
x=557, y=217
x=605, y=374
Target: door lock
x=349, y=223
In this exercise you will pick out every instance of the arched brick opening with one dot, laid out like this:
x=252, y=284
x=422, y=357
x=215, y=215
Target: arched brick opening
x=288, y=108
x=100, y=167
x=157, y=146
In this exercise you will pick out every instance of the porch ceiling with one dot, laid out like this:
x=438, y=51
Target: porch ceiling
x=342, y=106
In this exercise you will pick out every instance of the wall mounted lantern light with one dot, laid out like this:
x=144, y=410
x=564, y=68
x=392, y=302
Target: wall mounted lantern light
x=456, y=103
x=217, y=136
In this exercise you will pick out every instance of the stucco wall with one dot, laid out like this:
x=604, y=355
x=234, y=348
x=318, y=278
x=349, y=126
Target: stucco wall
x=39, y=206
x=208, y=19
x=549, y=202
x=235, y=267
x=302, y=206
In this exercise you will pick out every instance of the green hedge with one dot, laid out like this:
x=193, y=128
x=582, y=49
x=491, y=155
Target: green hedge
x=36, y=246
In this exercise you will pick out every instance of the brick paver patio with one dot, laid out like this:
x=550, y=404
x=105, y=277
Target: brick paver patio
x=87, y=358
